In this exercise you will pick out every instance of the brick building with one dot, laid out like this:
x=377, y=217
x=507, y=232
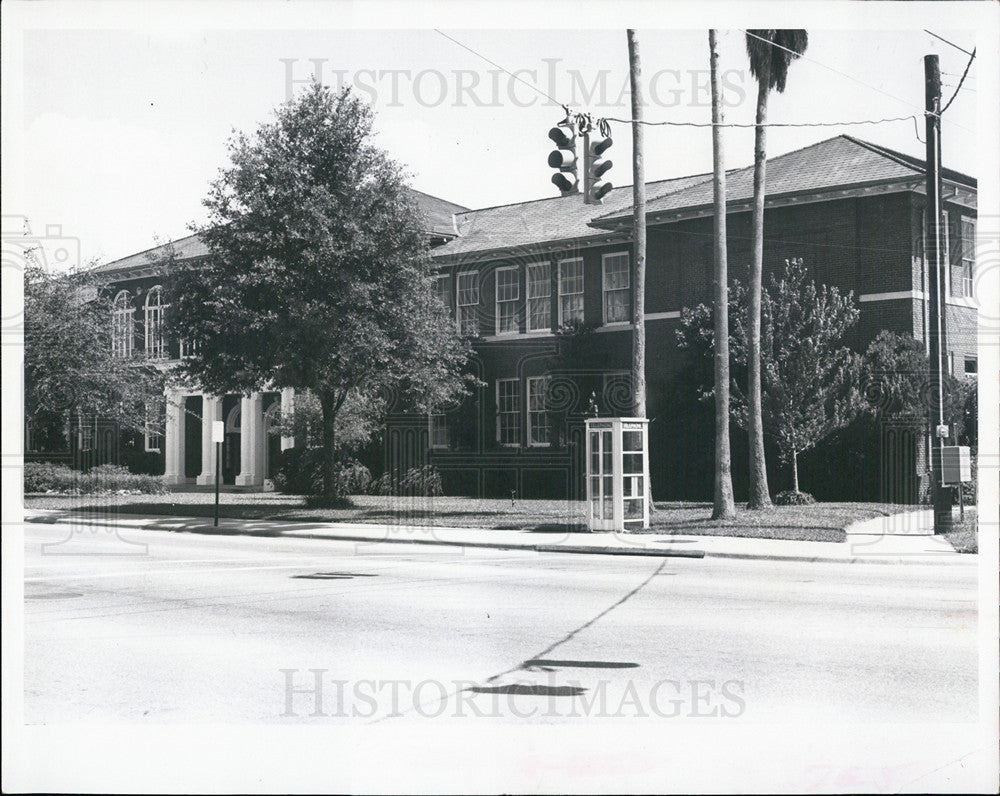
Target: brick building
x=544, y=289
x=515, y=275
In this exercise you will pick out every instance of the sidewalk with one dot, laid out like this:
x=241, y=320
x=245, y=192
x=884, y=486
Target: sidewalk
x=868, y=542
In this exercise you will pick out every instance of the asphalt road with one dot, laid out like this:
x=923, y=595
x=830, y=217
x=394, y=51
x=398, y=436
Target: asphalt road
x=168, y=627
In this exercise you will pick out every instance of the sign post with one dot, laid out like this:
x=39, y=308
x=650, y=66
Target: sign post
x=218, y=435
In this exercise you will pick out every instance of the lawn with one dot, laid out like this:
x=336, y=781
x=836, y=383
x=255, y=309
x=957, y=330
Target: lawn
x=822, y=522
x=964, y=537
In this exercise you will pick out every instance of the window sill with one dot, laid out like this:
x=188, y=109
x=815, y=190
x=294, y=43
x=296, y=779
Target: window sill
x=617, y=326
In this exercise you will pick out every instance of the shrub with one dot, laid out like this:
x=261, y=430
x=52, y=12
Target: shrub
x=44, y=476
x=422, y=481
x=300, y=472
x=105, y=478
x=792, y=498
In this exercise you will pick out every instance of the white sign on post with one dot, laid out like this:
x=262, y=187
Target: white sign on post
x=218, y=431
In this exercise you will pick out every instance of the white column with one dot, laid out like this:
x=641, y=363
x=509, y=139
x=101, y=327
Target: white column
x=173, y=439
x=287, y=409
x=211, y=410
x=251, y=441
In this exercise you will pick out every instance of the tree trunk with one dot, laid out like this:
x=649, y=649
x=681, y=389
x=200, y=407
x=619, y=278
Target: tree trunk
x=795, y=469
x=758, y=497
x=638, y=233
x=723, y=505
x=331, y=482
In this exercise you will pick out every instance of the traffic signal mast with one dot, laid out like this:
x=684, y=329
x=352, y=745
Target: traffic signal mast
x=563, y=158
x=594, y=168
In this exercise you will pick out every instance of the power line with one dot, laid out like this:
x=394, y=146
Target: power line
x=972, y=58
x=844, y=74
x=506, y=71
x=770, y=124
x=942, y=38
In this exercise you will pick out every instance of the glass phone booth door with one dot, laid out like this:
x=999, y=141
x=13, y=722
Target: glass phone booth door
x=617, y=474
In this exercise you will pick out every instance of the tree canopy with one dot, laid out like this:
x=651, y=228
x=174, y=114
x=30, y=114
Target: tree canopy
x=318, y=276
x=69, y=368
x=809, y=375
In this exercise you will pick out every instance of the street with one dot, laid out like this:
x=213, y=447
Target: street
x=159, y=627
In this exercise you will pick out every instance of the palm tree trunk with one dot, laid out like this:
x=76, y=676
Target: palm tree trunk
x=758, y=497
x=639, y=234
x=723, y=505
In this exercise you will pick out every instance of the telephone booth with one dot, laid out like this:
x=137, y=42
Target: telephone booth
x=617, y=473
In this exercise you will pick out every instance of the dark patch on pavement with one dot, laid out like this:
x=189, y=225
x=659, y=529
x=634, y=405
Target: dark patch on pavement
x=336, y=575
x=520, y=689
x=550, y=665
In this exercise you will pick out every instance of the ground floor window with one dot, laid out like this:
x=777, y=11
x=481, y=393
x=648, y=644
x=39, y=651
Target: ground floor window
x=438, y=432
x=539, y=428
x=509, y=412
x=153, y=431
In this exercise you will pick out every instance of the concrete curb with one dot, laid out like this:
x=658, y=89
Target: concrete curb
x=151, y=523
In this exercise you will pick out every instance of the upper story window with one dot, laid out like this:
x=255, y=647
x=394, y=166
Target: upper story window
x=122, y=318
x=968, y=255
x=468, y=304
x=441, y=291
x=539, y=297
x=571, y=290
x=507, y=296
x=509, y=412
x=155, y=342
x=617, y=288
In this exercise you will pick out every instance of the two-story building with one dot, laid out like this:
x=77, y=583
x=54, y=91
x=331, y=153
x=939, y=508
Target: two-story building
x=518, y=274
x=544, y=289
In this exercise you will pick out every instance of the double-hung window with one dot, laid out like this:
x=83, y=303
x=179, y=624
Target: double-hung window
x=539, y=428
x=468, y=304
x=571, y=291
x=441, y=291
x=617, y=288
x=509, y=412
x=122, y=316
x=539, y=297
x=438, y=432
x=508, y=293
x=968, y=255
x=152, y=432
x=155, y=343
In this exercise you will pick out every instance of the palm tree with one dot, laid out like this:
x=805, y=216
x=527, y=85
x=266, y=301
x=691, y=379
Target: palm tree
x=770, y=53
x=723, y=505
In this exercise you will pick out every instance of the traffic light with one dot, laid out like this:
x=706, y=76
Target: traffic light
x=595, y=167
x=564, y=159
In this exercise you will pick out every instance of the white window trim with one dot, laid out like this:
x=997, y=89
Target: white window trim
x=499, y=413
x=458, y=305
x=528, y=299
x=968, y=282
x=604, y=260
x=430, y=432
x=123, y=320
x=527, y=407
x=497, y=302
x=559, y=290
x=149, y=435
x=162, y=349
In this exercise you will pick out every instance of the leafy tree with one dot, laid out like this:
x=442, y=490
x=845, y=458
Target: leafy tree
x=69, y=369
x=895, y=382
x=809, y=378
x=770, y=53
x=318, y=276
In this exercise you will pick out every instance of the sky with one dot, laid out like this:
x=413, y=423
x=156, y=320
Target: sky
x=116, y=122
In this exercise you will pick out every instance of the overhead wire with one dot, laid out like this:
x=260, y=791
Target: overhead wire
x=972, y=58
x=942, y=38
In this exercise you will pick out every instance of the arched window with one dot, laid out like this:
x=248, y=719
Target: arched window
x=155, y=344
x=122, y=316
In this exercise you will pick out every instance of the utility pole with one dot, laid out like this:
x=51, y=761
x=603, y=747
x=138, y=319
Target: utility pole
x=937, y=337
x=638, y=233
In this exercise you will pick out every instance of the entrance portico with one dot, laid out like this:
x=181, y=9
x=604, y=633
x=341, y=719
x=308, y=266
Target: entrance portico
x=249, y=437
